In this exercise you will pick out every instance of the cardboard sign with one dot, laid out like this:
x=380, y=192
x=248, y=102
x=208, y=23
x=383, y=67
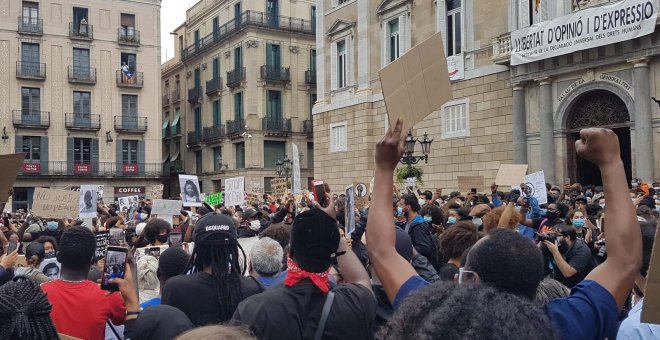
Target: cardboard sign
x=234, y=191
x=416, y=84
x=252, y=199
x=361, y=195
x=156, y=191
x=102, y=242
x=467, y=183
x=349, y=213
x=166, y=207
x=256, y=188
x=511, y=174
x=651, y=308
x=88, y=201
x=296, y=170
x=214, y=199
x=279, y=186
x=51, y=203
x=10, y=166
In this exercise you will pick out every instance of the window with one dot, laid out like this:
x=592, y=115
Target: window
x=273, y=151
x=274, y=107
x=273, y=57
x=32, y=147
x=312, y=100
x=30, y=12
x=128, y=24
x=217, y=158
x=129, y=104
x=129, y=151
x=341, y=63
x=181, y=47
x=238, y=57
x=238, y=106
x=216, y=68
x=30, y=101
x=456, y=119
x=216, y=24
x=312, y=60
x=80, y=13
x=81, y=68
x=130, y=60
x=454, y=31
x=272, y=12
x=198, y=162
x=268, y=188
x=239, y=149
x=30, y=59
x=312, y=16
x=217, y=119
x=82, y=102
x=532, y=12
x=82, y=150
x=196, y=38
x=336, y=3
x=393, y=40
x=338, y=137
x=310, y=155
x=197, y=114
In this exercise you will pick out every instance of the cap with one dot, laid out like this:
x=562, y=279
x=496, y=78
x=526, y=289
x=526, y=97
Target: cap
x=139, y=227
x=215, y=229
x=314, y=240
x=35, y=248
x=403, y=244
x=581, y=198
x=250, y=213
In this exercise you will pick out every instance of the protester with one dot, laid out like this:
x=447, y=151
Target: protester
x=25, y=311
x=216, y=278
x=160, y=322
x=296, y=309
x=7, y=263
x=80, y=307
x=50, y=246
x=453, y=243
x=34, y=255
x=251, y=224
x=419, y=230
x=548, y=290
x=217, y=333
x=266, y=262
x=572, y=257
x=147, y=278
x=172, y=262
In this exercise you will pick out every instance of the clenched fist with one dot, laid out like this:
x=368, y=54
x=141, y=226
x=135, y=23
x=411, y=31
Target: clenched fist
x=599, y=146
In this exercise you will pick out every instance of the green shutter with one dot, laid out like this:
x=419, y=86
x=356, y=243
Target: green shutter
x=141, y=156
x=240, y=155
x=44, y=154
x=95, y=156
x=69, y=155
x=119, y=160
x=310, y=155
x=273, y=151
x=19, y=144
x=216, y=113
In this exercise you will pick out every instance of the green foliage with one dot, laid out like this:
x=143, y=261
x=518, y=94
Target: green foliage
x=407, y=172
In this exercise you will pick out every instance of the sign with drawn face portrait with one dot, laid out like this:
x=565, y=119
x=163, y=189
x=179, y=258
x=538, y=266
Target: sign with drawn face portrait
x=190, y=193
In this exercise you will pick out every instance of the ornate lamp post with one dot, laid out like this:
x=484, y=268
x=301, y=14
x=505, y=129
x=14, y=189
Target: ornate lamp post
x=284, y=167
x=408, y=155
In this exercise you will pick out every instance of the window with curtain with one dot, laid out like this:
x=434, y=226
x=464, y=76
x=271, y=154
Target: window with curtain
x=129, y=151
x=82, y=150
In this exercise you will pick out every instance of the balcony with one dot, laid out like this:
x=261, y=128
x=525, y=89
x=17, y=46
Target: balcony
x=277, y=126
x=235, y=77
x=308, y=127
x=235, y=127
x=195, y=95
x=131, y=124
x=175, y=129
x=275, y=74
x=248, y=19
x=92, y=170
x=82, y=121
x=129, y=79
x=81, y=31
x=502, y=49
x=176, y=167
x=310, y=77
x=213, y=134
x=128, y=36
x=31, y=119
x=166, y=100
x=29, y=25
x=213, y=86
x=30, y=70
x=82, y=75
x=176, y=96
x=194, y=139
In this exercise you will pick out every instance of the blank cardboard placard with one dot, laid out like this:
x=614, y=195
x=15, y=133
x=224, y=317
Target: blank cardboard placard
x=651, y=308
x=417, y=83
x=467, y=183
x=511, y=174
x=51, y=203
x=166, y=207
x=10, y=166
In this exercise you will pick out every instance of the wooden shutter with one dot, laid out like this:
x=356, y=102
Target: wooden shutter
x=141, y=156
x=95, y=156
x=333, y=66
x=349, y=61
x=119, y=156
x=385, y=44
x=19, y=144
x=44, y=154
x=404, y=34
x=523, y=13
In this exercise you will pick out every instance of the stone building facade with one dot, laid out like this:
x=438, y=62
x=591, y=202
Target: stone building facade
x=238, y=93
x=68, y=103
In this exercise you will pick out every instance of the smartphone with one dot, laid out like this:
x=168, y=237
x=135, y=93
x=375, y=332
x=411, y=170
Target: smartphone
x=567, y=181
x=115, y=267
x=176, y=239
x=13, y=245
x=154, y=251
x=319, y=192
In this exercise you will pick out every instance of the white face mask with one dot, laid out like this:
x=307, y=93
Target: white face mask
x=477, y=222
x=255, y=225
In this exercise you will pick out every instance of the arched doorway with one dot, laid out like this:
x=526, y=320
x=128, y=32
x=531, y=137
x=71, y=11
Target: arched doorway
x=598, y=108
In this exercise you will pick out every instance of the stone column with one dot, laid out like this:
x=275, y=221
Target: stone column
x=547, y=130
x=519, y=125
x=643, y=126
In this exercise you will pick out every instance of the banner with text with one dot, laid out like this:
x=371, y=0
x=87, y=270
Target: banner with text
x=589, y=28
x=234, y=191
x=214, y=199
x=51, y=203
x=296, y=170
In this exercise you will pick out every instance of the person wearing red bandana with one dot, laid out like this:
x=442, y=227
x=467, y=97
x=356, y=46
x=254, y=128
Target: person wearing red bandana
x=306, y=307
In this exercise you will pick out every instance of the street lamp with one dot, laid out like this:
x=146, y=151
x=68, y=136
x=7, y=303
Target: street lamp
x=408, y=155
x=283, y=167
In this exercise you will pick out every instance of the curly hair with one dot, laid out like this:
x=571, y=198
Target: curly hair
x=457, y=239
x=492, y=219
x=279, y=232
x=466, y=312
x=25, y=311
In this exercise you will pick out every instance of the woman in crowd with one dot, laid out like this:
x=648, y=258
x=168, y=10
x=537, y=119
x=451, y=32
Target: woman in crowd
x=34, y=255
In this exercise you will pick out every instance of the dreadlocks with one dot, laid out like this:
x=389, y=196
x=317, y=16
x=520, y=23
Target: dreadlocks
x=226, y=271
x=25, y=311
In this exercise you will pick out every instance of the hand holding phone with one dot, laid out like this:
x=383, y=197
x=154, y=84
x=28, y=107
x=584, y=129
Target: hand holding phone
x=175, y=240
x=319, y=192
x=114, y=268
x=13, y=245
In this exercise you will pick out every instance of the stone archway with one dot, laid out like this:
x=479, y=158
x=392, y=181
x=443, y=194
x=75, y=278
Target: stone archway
x=596, y=108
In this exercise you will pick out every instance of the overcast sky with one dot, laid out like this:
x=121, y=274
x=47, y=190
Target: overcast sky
x=172, y=14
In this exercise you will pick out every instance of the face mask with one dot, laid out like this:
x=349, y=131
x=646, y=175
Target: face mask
x=477, y=222
x=579, y=222
x=551, y=215
x=656, y=188
x=271, y=216
x=422, y=202
x=143, y=216
x=399, y=211
x=428, y=219
x=255, y=225
x=634, y=184
x=162, y=238
x=50, y=255
x=543, y=212
x=602, y=206
x=517, y=208
x=451, y=220
x=590, y=194
x=459, y=203
x=52, y=226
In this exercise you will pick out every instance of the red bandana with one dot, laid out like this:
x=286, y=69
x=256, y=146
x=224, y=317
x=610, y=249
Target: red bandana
x=295, y=275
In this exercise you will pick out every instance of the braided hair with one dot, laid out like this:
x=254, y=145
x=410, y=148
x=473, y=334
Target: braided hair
x=25, y=311
x=226, y=270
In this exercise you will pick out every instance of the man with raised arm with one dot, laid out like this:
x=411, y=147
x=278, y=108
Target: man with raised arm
x=596, y=301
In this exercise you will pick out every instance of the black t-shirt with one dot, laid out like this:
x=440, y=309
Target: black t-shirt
x=579, y=257
x=291, y=313
x=195, y=295
x=448, y=271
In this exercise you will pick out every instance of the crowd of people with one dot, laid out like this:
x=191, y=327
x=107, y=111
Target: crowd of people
x=422, y=264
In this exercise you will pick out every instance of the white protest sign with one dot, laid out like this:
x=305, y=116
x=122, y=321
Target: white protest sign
x=234, y=191
x=296, y=170
x=411, y=182
x=349, y=213
x=536, y=184
x=585, y=29
x=166, y=207
x=88, y=201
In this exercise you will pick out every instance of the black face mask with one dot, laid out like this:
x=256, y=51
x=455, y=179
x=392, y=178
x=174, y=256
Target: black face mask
x=551, y=215
x=50, y=255
x=162, y=238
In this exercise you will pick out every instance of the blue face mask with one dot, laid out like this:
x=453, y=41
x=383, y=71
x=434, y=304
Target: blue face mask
x=451, y=220
x=428, y=219
x=579, y=222
x=399, y=211
x=52, y=226
x=543, y=212
x=518, y=208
